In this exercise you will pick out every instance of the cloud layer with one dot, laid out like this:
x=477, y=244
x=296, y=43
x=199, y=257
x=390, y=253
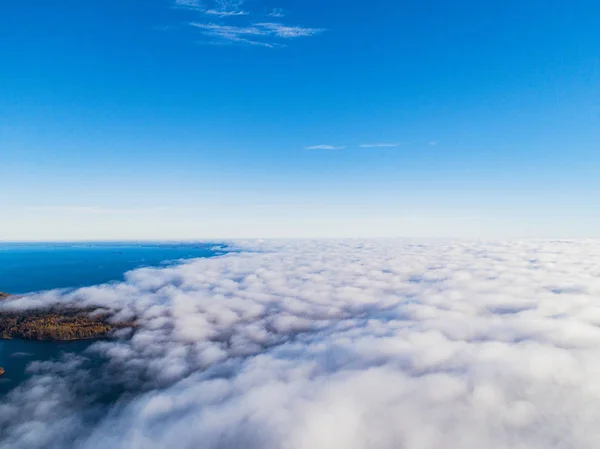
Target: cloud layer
x=334, y=344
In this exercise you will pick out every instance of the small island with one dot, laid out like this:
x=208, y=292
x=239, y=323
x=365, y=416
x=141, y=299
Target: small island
x=57, y=323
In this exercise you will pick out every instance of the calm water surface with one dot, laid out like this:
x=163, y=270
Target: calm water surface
x=43, y=266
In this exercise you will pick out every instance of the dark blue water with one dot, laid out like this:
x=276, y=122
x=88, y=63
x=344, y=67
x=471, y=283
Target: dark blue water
x=42, y=266
x=16, y=355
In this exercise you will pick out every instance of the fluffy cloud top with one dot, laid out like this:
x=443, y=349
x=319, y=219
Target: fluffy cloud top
x=333, y=344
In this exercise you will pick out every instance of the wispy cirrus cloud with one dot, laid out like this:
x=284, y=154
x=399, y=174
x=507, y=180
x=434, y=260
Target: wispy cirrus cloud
x=277, y=12
x=284, y=31
x=214, y=12
x=225, y=8
x=379, y=145
x=190, y=4
x=324, y=147
x=233, y=34
x=265, y=33
x=248, y=34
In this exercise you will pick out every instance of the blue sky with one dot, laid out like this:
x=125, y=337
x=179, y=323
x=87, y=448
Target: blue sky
x=161, y=119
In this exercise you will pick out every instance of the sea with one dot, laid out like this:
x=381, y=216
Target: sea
x=32, y=267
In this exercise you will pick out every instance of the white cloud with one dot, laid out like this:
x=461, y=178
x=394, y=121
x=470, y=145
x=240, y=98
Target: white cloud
x=233, y=34
x=191, y=4
x=277, y=12
x=269, y=34
x=379, y=145
x=284, y=31
x=230, y=29
x=247, y=34
x=214, y=12
x=334, y=344
x=227, y=8
x=324, y=147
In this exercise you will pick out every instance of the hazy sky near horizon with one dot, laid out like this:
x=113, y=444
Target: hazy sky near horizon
x=130, y=119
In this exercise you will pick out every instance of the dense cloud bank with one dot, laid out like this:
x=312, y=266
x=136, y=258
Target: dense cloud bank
x=333, y=344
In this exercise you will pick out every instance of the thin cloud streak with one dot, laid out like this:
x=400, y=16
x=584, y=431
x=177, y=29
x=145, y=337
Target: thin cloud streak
x=245, y=34
x=265, y=34
x=227, y=8
x=232, y=34
x=324, y=147
x=277, y=12
x=188, y=4
x=284, y=31
x=214, y=12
